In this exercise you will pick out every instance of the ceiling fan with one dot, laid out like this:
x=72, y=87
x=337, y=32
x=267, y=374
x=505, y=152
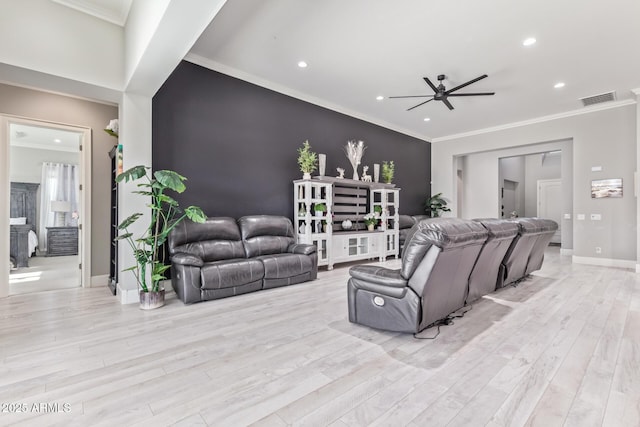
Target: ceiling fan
x=441, y=93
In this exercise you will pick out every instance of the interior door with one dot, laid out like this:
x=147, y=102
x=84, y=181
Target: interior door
x=550, y=204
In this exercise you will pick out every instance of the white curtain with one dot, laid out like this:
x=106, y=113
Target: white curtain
x=59, y=183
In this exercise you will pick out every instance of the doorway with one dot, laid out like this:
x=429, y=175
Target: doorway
x=48, y=209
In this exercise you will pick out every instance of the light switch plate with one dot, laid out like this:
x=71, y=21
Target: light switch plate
x=596, y=217
x=596, y=168
x=580, y=217
x=567, y=216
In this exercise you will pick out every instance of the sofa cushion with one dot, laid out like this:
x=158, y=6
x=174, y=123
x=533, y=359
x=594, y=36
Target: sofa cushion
x=406, y=221
x=444, y=233
x=230, y=273
x=216, y=239
x=265, y=234
x=278, y=266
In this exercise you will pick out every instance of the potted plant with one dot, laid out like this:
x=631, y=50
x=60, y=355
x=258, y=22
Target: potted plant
x=388, y=170
x=307, y=160
x=371, y=219
x=319, y=209
x=165, y=215
x=435, y=205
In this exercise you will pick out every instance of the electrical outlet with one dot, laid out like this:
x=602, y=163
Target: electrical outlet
x=598, y=250
x=596, y=217
x=580, y=217
x=567, y=216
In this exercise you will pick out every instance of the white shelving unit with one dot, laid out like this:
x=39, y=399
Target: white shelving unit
x=346, y=199
x=388, y=202
x=312, y=227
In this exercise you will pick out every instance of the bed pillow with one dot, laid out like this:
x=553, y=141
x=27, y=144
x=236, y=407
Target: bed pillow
x=18, y=221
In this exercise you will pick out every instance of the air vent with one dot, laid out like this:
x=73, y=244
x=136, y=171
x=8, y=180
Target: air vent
x=598, y=99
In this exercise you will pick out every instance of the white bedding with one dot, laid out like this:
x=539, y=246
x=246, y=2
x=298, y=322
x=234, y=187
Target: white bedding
x=33, y=242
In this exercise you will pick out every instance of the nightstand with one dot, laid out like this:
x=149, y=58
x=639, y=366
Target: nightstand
x=62, y=241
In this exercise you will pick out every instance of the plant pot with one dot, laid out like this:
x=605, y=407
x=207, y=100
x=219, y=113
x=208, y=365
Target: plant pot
x=370, y=227
x=319, y=213
x=150, y=300
x=306, y=175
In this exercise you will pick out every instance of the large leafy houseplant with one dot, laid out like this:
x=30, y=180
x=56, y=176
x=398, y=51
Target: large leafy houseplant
x=435, y=205
x=165, y=215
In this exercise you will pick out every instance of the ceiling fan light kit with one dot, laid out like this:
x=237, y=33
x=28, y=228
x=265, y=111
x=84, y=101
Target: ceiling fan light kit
x=442, y=94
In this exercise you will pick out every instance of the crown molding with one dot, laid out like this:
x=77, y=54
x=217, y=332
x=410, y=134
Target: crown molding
x=242, y=75
x=116, y=14
x=587, y=110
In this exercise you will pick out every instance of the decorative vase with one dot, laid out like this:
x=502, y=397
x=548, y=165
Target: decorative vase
x=306, y=175
x=150, y=300
x=347, y=224
x=370, y=227
x=376, y=172
x=355, y=173
x=322, y=164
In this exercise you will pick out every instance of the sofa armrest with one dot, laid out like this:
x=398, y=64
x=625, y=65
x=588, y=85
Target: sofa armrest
x=301, y=249
x=187, y=259
x=378, y=275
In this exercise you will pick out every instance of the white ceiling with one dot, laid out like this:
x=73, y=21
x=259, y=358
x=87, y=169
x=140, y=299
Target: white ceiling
x=114, y=11
x=44, y=138
x=359, y=49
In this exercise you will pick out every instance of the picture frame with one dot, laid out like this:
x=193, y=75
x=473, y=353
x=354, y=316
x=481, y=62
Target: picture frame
x=606, y=188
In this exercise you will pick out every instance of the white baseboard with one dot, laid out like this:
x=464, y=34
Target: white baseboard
x=567, y=252
x=102, y=280
x=605, y=262
x=128, y=296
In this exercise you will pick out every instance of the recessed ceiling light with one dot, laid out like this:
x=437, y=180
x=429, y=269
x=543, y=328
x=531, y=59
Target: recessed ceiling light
x=559, y=85
x=427, y=119
x=379, y=97
x=302, y=64
x=529, y=41
x=57, y=140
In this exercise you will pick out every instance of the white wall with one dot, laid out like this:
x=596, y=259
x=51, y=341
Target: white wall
x=601, y=137
x=45, y=36
x=26, y=163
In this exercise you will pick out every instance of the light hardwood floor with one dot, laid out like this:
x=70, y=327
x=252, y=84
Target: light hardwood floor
x=562, y=348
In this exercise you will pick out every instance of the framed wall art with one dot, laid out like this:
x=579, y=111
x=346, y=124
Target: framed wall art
x=601, y=188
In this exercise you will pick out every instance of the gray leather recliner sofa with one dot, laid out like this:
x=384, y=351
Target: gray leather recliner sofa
x=437, y=260
x=447, y=263
x=224, y=257
x=405, y=224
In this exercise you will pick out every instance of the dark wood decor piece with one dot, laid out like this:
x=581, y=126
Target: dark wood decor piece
x=62, y=241
x=22, y=204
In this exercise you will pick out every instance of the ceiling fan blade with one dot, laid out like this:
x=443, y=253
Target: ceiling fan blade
x=422, y=103
x=412, y=96
x=472, y=94
x=431, y=85
x=466, y=84
x=447, y=103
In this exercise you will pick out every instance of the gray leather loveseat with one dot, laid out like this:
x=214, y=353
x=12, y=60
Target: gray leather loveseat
x=224, y=257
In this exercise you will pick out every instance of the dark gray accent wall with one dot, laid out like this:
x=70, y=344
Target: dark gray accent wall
x=237, y=144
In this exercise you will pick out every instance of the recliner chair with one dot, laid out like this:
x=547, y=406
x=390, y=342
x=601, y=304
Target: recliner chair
x=437, y=260
x=526, y=253
x=484, y=277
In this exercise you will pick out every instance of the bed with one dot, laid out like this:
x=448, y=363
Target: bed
x=23, y=238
